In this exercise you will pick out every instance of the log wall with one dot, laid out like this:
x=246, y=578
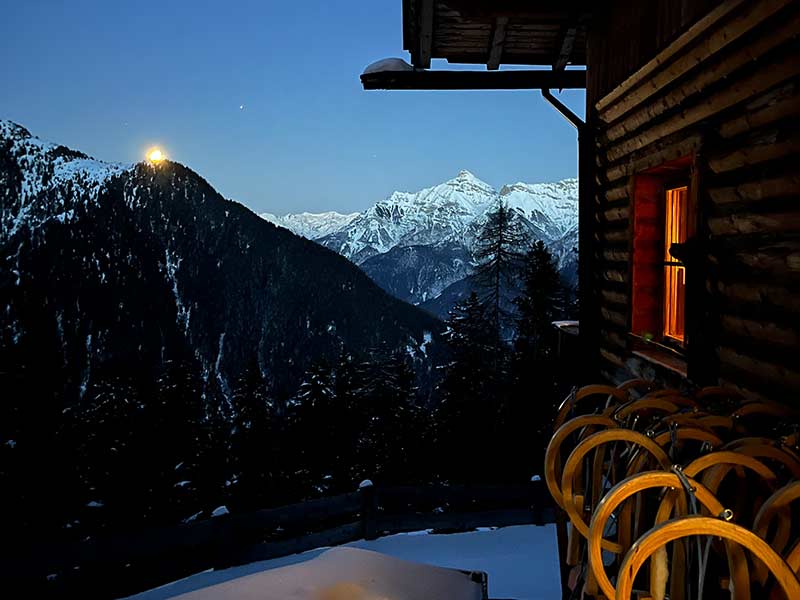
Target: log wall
x=725, y=92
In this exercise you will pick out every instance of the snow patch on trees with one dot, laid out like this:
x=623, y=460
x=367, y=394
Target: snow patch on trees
x=172, y=264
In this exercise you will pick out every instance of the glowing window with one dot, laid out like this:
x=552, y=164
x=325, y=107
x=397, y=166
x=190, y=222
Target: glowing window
x=663, y=216
x=675, y=232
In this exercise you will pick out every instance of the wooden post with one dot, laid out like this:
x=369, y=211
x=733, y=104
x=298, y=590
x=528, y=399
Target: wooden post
x=539, y=497
x=588, y=331
x=369, y=509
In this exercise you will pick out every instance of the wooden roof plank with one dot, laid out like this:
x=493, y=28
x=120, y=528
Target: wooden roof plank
x=425, y=34
x=567, y=43
x=498, y=40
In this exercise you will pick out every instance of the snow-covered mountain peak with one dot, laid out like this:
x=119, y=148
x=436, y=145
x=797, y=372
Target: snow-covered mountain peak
x=556, y=202
x=68, y=164
x=44, y=166
x=469, y=183
x=450, y=212
x=9, y=129
x=465, y=176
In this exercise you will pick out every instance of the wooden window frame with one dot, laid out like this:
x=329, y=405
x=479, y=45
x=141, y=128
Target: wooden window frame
x=647, y=269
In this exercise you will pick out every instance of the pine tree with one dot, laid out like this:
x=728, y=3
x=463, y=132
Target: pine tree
x=104, y=433
x=255, y=468
x=386, y=400
x=499, y=255
x=540, y=303
x=348, y=424
x=526, y=417
x=314, y=424
x=472, y=392
x=175, y=421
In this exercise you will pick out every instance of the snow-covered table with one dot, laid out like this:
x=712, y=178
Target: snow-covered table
x=348, y=574
x=521, y=562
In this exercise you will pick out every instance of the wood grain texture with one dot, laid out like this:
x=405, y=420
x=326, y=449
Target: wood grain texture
x=667, y=532
x=619, y=494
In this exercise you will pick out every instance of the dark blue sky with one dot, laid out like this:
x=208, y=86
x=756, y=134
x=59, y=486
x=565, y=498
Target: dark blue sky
x=113, y=77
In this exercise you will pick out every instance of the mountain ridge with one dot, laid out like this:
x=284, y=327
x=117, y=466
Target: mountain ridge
x=132, y=265
x=416, y=244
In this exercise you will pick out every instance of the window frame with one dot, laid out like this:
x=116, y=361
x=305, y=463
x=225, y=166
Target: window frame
x=648, y=264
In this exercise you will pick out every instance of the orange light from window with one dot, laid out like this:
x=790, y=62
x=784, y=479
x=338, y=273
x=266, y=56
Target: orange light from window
x=675, y=226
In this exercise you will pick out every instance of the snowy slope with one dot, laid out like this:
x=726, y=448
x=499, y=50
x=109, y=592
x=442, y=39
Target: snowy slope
x=45, y=167
x=311, y=225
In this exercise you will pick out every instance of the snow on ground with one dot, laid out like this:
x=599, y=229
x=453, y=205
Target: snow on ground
x=522, y=561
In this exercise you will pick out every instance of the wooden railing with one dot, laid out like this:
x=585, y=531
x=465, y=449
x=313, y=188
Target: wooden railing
x=126, y=564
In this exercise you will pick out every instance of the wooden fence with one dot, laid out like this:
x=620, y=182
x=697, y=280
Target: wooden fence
x=126, y=564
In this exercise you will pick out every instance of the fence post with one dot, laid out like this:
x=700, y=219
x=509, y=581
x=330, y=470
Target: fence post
x=369, y=509
x=537, y=499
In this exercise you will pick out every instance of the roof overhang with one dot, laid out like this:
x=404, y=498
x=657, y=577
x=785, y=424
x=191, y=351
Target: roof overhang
x=496, y=32
x=536, y=33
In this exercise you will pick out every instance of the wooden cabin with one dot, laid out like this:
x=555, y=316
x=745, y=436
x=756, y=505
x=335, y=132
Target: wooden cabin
x=689, y=274
x=689, y=170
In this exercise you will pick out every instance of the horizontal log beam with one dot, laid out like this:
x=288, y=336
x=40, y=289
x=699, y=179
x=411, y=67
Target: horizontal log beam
x=765, y=371
x=474, y=80
x=755, y=191
x=614, y=275
x=614, y=359
x=613, y=297
x=752, y=223
x=679, y=96
x=769, y=108
x=760, y=294
x=616, y=214
x=613, y=338
x=614, y=317
x=755, y=153
x=618, y=236
x=711, y=44
x=771, y=333
x=696, y=31
x=786, y=67
x=655, y=156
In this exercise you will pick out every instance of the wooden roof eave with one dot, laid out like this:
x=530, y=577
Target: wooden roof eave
x=474, y=80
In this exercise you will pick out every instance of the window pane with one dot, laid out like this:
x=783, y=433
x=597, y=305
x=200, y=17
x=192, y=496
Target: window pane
x=675, y=228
